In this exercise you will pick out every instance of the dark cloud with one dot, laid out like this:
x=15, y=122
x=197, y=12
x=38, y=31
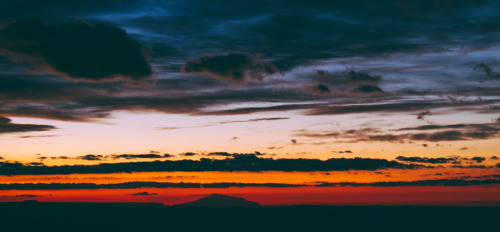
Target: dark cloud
x=422, y=115
x=134, y=185
x=454, y=132
x=188, y=154
x=415, y=159
x=367, y=89
x=60, y=157
x=372, y=108
x=451, y=135
x=360, y=77
x=443, y=160
x=238, y=162
x=482, y=127
x=36, y=136
x=362, y=82
x=459, y=132
x=6, y=126
x=144, y=194
x=91, y=157
x=318, y=89
x=478, y=159
x=139, y=156
x=219, y=154
x=36, y=163
x=11, y=165
x=78, y=50
x=439, y=182
x=1, y=158
x=256, y=120
x=29, y=195
x=487, y=71
x=234, y=155
x=347, y=151
x=235, y=67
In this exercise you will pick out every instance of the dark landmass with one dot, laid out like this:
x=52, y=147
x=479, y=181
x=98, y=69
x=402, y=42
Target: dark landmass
x=43, y=216
x=217, y=200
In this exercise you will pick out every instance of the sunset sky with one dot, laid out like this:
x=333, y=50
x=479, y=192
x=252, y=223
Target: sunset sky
x=267, y=98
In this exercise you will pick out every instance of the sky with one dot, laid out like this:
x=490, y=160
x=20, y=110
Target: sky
x=405, y=93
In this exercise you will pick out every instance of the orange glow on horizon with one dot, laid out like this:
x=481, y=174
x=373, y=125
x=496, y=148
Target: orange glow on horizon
x=438, y=195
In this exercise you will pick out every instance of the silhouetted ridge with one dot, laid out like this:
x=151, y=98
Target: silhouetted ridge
x=217, y=200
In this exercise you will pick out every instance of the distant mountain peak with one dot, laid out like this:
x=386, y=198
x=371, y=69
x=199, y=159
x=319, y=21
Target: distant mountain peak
x=219, y=200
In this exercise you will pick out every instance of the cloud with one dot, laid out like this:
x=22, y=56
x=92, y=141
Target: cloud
x=487, y=71
x=78, y=50
x=450, y=135
x=234, y=155
x=362, y=82
x=225, y=122
x=36, y=136
x=256, y=120
x=360, y=77
x=139, y=156
x=60, y=157
x=237, y=162
x=439, y=182
x=482, y=127
x=478, y=159
x=29, y=195
x=144, y=194
x=6, y=126
x=367, y=89
x=134, y=185
x=36, y=164
x=422, y=115
x=235, y=67
x=318, y=89
x=341, y=152
x=427, y=160
x=188, y=154
x=453, y=132
x=90, y=157
x=219, y=154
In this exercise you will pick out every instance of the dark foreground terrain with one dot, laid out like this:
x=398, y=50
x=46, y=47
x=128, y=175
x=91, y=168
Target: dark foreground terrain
x=91, y=217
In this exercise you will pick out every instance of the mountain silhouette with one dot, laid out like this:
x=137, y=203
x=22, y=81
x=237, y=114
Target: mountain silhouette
x=217, y=200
